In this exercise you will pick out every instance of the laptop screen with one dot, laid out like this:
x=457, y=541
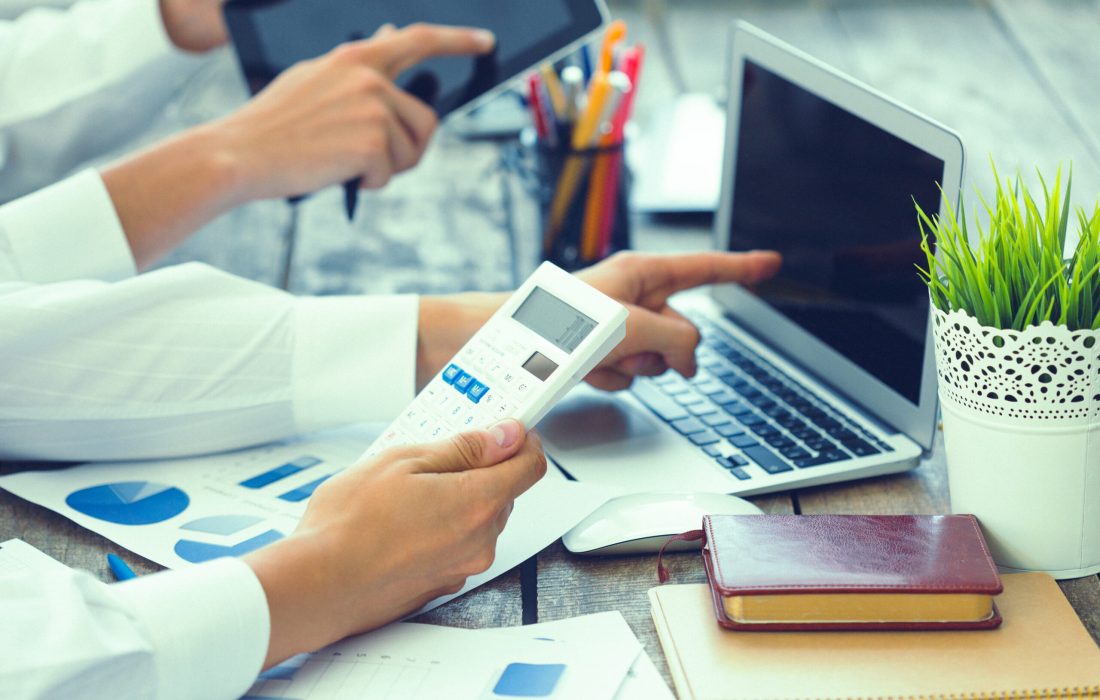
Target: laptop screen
x=834, y=194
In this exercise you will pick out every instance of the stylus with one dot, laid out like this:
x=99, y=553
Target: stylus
x=351, y=196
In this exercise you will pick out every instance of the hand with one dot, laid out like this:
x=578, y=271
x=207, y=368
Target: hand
x=658, y=337
x=340, y=116
x=194, y=25
x=383, y=538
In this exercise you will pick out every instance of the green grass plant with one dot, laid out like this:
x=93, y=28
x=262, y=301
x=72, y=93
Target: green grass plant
x=1015, y=274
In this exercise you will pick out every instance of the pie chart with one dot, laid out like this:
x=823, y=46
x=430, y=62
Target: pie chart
x=129, y=502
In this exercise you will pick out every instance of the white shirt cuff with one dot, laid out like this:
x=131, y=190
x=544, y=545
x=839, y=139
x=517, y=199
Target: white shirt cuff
x=354, y=359
x=209, y=626
x=66, y=231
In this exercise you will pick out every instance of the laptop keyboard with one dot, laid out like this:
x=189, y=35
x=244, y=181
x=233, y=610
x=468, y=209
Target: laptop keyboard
x=740, y=410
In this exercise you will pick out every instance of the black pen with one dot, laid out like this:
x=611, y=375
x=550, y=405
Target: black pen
x=351, y=196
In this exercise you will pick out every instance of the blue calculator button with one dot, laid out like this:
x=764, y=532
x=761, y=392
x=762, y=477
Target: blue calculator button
x=476, y=391
x=462, y=382
x=451, y=373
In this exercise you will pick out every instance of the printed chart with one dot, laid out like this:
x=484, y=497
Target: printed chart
x=129, y=502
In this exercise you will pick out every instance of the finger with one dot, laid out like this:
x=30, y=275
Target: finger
x=384, y=31
x=609, y=379
x=417, y=118
x=645, y=364
x=406, y=47
x=507, y=480
x=474, y=449
x=667, y=333
x=666, y=275
x=404, y=152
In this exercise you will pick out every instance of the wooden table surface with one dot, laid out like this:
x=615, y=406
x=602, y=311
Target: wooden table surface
x=1016, y=79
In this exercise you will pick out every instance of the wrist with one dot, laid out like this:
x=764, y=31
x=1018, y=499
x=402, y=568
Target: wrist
x=445, y=324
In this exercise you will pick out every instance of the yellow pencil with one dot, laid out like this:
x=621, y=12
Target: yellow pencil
x=553, y=87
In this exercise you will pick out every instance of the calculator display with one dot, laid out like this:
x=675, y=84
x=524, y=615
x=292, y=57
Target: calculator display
x=554, y=320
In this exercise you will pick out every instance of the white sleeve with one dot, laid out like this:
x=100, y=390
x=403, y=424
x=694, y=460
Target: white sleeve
x=188, y=360
x=199, y=632
x=77, y=83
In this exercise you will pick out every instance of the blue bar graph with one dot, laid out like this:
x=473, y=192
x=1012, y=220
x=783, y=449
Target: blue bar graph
x=195, y=552
x=305, y=490
x=281, y=472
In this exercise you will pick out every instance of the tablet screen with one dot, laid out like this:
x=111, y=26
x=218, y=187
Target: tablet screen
x=272, y=35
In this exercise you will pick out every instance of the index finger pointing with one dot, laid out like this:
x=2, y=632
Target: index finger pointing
x=670, y=274
x=406, y=47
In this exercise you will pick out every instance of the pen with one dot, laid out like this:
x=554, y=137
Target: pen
x=553, y=88
x=351, y=196
x=119, y=568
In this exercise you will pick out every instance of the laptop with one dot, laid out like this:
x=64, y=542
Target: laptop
x=826, y=372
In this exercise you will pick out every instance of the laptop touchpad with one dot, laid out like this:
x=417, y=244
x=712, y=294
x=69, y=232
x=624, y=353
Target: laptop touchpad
x=586, y=418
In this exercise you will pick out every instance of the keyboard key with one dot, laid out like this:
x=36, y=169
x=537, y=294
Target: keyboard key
x=764, y=430
x=709, y=387
x=712, y=451
x=743, y=441
x=740, y=473
x=810, y=462
x=725, y=462
x=860, y=448
x=738, y=460
x=779, y=441
x=768, y=460
x=660, y=404
x=749, y=419
x=706, y=437
x=728, y=430
x=702, y=408
x=687, y=426
x=794, y=453
x=715, y=419
x=687, y=397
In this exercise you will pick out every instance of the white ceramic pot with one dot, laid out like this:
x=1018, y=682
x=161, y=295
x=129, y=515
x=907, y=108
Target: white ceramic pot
x=1021, y=422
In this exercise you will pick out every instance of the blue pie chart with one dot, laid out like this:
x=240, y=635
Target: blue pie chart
x=129, y=502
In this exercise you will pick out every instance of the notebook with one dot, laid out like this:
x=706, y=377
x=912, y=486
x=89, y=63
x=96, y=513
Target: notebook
x=904, y=572
x=824, y=373
x=1041, y=649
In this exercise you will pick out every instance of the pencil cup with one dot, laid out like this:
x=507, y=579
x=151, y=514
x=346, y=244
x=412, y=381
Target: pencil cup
x=582, y=198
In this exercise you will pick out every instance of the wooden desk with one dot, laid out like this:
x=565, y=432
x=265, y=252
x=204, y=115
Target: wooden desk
x=1016, y=79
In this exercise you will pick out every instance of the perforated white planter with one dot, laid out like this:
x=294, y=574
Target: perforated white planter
x=1021, y=422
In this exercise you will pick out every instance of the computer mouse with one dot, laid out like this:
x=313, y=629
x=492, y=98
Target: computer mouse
x=640, y=523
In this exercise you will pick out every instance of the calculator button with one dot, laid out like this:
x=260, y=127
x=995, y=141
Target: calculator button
x=462, y=382
x=451, y=373
x=476, y=391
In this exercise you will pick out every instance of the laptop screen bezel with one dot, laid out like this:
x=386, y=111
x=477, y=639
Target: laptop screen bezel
x=747, y=42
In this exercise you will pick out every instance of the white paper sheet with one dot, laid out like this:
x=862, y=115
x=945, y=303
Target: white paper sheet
x=408, y=661
x=608, y=630
x=183, y=511
x=18, y=556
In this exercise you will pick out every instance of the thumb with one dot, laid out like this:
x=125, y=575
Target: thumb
x=476, y=448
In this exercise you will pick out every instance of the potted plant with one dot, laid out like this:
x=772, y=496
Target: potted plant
x=1017, y=341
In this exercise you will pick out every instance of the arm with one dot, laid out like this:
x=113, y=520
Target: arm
x=206, y=631
x=78, y=83
x=321, y=122
x=657, y=337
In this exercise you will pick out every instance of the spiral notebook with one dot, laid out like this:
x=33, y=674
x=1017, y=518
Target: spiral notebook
x=1041, y=650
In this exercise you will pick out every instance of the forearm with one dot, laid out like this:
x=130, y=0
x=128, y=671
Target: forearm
x=165, y=193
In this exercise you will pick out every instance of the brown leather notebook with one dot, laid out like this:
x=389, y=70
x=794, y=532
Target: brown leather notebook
x=1041, y=651
x=798, y=572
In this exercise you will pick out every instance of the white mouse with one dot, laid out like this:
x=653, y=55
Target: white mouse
x=642, y=522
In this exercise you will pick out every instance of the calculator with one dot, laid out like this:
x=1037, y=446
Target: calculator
x=545, y=338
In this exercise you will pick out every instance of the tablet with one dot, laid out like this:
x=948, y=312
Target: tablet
x=272, y=35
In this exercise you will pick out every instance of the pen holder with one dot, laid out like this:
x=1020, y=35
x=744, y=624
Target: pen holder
x=582, y=198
